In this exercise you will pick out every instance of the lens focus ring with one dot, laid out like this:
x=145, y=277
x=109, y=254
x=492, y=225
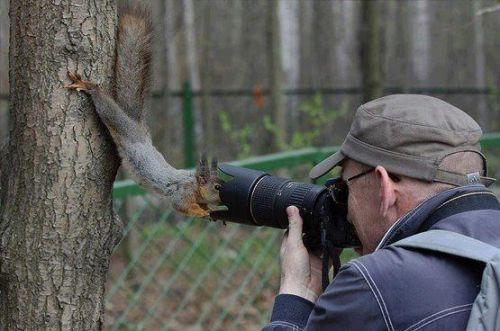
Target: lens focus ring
x=298, y=194
x=263, y=199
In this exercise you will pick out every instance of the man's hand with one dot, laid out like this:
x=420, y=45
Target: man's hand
x=300, y=269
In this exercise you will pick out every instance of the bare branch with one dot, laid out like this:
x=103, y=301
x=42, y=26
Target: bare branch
x=488, y=10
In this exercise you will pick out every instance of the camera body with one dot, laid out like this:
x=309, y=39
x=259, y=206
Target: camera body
x=256, y=198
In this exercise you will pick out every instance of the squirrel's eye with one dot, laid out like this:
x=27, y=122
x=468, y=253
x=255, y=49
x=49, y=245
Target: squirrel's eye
x=217, y=186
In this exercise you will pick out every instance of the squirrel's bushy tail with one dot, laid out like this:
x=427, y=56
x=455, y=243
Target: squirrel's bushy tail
x=133, y=59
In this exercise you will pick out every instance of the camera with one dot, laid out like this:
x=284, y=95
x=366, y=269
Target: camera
x=256, y=198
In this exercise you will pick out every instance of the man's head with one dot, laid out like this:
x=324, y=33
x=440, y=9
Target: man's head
x=411, y=147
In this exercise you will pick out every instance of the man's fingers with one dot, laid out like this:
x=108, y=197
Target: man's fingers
x=294, y=224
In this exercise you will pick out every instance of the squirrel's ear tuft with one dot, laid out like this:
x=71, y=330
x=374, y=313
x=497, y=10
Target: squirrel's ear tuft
x=214, y=167
x=203, y=172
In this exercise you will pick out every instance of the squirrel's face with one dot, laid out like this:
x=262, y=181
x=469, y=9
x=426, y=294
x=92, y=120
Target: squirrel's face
x=209, y=190
x=208, y=181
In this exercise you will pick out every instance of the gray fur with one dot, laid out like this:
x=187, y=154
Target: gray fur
x=151, y=171
x=188, y=191
x=121, y=127
x=141, y=159
x=133, y=60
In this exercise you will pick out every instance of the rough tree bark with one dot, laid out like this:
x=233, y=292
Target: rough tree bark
x=57, y=227
x=4, y=66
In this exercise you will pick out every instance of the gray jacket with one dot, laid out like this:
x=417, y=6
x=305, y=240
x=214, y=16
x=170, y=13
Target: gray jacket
x=398, y=288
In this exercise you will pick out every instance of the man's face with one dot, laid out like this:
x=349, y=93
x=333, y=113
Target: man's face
x=363, y=206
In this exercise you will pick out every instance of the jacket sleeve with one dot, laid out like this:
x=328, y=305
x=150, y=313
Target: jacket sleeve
x=347, y=304
x=290, y=312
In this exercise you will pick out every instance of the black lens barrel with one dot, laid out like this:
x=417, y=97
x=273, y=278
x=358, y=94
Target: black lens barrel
x=236, y=194
x=272, y=195
x=254, y=197
x=263, y=199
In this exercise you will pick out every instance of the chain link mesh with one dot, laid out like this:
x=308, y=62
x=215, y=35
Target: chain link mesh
x=175, y=273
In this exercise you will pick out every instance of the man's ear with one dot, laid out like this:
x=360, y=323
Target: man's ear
x=387, y=192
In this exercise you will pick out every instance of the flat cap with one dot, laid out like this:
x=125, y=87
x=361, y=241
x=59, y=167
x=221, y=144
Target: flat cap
x=409, y=135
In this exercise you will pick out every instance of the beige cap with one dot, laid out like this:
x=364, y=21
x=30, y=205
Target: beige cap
x=409, y=135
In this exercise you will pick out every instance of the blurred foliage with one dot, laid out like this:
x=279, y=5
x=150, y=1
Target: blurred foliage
x=313, y=116
x=241, y=136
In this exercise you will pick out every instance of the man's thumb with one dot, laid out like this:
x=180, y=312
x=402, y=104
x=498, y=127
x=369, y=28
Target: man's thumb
x=294, y=224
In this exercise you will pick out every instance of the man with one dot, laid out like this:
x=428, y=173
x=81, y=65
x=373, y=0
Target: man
x=411, y=163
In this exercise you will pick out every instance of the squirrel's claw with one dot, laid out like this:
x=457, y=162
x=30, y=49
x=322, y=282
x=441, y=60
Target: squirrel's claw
x=75, y=87
x=74, y=76
x=78, y=83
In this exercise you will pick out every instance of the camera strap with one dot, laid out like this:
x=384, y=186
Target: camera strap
x=329, y=251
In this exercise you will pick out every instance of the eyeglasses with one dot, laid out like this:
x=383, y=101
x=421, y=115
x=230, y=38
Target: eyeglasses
x=338, y=187
x=358, y=175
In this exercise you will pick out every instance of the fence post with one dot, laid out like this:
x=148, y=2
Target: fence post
x=187, y=111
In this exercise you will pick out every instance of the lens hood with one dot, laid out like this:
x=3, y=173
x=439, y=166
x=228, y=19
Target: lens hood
x=236, y=193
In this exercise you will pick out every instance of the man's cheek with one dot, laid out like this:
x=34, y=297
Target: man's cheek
x=349, y=219
x=352, y=217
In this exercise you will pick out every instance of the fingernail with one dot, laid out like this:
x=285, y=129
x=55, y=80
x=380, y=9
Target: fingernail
x=291, y=211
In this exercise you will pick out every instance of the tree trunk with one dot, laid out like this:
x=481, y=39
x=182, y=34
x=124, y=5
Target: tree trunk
x=370, y=50
x=193, y=66
x=345, y=28
x=191, y=46
x=206, y=70
x=290, y=52
x=57, y=226
x=479, y=66
x=4, y=67
x=275, y=71
x=172, y=37
x=420, y=40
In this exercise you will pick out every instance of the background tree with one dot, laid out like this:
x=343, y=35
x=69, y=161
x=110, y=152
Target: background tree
x=4, y=83
x=288, y=13
x=370, y=50
x=276, y=75
x=57, y=226
x=419, y=40
x=479, y=63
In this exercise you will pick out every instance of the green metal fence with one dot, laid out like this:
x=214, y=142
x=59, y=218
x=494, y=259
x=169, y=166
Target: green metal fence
x=176, y=273
x=187, y=95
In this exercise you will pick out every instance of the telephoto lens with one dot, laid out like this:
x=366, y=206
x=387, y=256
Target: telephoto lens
x=272, y=195
x=256, y=198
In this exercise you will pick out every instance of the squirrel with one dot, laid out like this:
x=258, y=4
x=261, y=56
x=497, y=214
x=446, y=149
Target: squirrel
x=190, y=192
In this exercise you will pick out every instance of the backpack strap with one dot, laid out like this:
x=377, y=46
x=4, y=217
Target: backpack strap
x=485, y=312
x=451, y=243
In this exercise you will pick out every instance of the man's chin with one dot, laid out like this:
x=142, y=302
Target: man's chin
x=359, y=250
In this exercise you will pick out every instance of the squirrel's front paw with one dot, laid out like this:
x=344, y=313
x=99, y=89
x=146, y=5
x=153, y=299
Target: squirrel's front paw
x=193, y=209
x=78, y=83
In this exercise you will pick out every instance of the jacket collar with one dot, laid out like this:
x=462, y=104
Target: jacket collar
x=420, y=218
